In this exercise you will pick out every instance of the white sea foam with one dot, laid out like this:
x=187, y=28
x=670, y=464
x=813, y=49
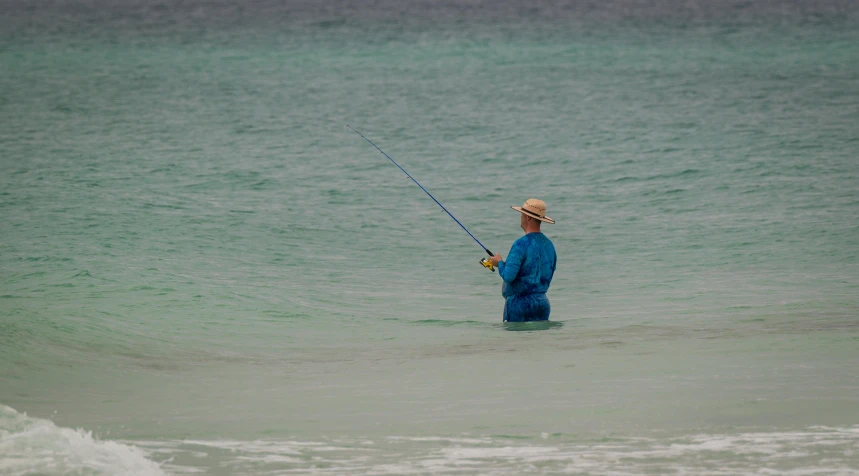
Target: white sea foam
x=815, y=451
x=31, y=445
x=37, y=446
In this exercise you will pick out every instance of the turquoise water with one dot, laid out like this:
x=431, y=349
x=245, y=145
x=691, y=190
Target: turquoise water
x=203, y=270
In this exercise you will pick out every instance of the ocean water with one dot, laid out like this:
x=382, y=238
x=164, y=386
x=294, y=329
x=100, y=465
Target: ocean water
x=204, y=271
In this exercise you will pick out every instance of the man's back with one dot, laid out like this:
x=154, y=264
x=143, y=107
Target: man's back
x=529, y=267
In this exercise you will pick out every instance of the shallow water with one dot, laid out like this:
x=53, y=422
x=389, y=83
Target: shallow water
x=203, y=270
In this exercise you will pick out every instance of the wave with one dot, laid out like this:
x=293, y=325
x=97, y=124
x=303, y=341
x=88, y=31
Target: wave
x=447, y=322
x=812, y=451
x=671, y=175
x=38, y=446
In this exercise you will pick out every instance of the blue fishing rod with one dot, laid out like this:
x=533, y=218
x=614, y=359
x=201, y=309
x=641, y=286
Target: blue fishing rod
x=485, y=261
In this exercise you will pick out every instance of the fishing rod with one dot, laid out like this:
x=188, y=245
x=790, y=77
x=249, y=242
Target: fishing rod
x=485, y=261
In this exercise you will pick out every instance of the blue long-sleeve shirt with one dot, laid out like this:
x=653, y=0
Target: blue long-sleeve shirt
x=529, y=266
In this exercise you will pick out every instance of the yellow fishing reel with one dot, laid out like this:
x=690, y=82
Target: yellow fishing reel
x=487, y=263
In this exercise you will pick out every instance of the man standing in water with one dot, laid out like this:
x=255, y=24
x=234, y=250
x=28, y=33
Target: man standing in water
x=529, y=268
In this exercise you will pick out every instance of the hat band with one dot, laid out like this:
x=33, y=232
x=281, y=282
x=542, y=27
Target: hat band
x=533, y=214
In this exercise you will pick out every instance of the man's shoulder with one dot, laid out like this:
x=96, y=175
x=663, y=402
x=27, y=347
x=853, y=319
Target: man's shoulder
x=532, y=238
x=522, y=240
x=546, y=241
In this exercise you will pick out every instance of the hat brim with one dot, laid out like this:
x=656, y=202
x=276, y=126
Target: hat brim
x=533, y=215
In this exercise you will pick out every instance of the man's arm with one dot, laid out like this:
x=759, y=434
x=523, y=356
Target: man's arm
x=510, y=268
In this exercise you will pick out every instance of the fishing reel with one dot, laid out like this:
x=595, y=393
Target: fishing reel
x=487, y=263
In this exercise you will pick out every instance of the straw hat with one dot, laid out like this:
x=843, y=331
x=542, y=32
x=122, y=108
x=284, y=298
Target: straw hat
x=535, y=209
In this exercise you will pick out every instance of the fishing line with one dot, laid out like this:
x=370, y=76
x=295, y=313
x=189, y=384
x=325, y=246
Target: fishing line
x=484, y=261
